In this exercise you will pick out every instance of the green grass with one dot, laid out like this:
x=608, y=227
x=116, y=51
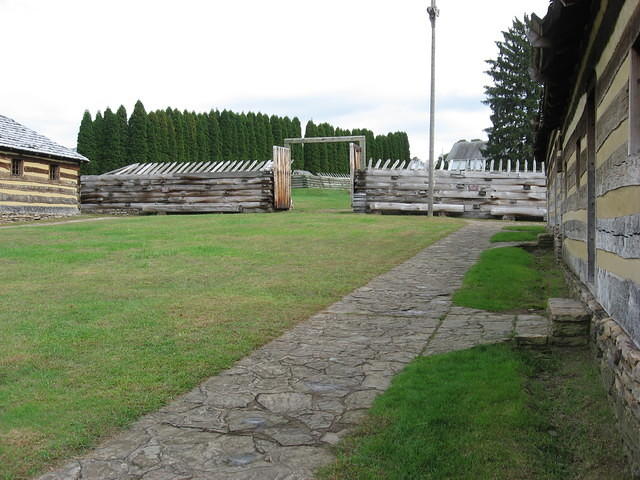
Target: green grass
x=526, y=228
x=511, y=279
x=524, y=233
x=490, y=412
x=104, y=321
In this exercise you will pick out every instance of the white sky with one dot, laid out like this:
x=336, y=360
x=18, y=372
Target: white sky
x=352, y=63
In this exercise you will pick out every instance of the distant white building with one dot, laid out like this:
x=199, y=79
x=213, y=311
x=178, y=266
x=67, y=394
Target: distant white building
x=466, y=155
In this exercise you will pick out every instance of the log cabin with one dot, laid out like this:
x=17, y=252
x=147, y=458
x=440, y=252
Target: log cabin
x=587, y=55
x=38, y=178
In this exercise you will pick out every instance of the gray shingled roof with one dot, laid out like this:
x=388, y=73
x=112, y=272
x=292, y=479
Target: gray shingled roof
x=464, y=150
x=17, y=137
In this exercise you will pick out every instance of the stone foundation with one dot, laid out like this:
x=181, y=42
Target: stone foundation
x=11, y=217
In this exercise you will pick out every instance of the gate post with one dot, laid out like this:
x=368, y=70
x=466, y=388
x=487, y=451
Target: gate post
x=281, y=178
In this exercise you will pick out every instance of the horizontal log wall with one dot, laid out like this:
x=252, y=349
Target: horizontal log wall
x=33, y=193
x=337, y=182
x=597, y=216
x=232, y=192
x=471, y=194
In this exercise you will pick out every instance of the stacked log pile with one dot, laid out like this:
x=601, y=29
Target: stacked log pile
x=208, y=192
x=471, y=194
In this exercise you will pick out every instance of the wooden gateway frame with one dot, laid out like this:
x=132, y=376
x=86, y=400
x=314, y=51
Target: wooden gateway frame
x=361, y=140
x=357, y=153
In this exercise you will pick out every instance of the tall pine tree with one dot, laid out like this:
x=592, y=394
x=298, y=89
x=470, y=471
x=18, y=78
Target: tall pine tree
x=137, y=145
x=87, y=141
x=113, y=155
x=123, y=124
x=513, y=98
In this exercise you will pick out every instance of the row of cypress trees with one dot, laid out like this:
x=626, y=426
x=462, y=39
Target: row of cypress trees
x=112, y=139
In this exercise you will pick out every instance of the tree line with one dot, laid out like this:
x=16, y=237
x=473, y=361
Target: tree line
x=334, y=157
x=113, y=139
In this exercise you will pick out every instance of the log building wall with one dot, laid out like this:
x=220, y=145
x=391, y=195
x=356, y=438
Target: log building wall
x=594, y=200
x=594, y=186
x=33, y=193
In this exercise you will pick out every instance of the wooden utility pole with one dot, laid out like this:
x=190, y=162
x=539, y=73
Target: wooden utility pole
x=433, y=14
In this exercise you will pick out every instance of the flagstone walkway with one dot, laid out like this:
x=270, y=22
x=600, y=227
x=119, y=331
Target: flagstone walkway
x=276, y=413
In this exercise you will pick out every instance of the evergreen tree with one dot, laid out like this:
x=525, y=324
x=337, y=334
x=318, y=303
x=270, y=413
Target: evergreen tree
x=190, y=136
x=297, y=150
x=252, y=137
x=513, y=98
x=225, y=135
x=87, y=141
x=214, y=136
x=202, y=137
x=123, y=124
x=153, y=137
x=164, y=154
x=276, y=130
x=267, y=153
x=137, y=143
x=243, y=138
x=310, y=153
x=98, y=129
x=171, y=140
x=113, y=155
x=178, y=125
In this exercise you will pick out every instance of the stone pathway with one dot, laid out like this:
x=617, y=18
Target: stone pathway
x=275, y=414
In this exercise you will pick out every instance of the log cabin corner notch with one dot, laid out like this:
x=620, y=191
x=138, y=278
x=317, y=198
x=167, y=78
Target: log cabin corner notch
x=38, y=178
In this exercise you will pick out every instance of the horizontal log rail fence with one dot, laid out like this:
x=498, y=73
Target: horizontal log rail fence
x=477, y=194
x=335, y=181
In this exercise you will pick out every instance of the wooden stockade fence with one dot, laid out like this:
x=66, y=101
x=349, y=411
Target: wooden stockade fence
x=335, y=181
x=196, y=187
x=479, y=194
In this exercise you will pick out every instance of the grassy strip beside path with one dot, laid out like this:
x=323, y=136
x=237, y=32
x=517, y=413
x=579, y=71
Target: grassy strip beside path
x=511, y=279
x=489, y=412
x=517, y=233
x=104, y=321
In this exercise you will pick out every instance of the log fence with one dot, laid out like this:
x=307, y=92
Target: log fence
x=402, y=187
x=192, y=187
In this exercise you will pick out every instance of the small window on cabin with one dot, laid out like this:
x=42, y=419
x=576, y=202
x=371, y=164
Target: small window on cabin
x=54, y=172
x=634, y=100
x=17, y=167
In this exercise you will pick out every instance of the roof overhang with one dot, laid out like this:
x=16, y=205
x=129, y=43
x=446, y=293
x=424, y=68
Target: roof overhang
x=557, y=41
x=49, y=156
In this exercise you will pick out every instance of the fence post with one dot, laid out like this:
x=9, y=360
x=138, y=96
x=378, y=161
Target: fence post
x=281, y=178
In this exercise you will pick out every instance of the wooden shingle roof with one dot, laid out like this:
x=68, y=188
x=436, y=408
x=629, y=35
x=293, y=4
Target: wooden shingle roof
x=18, y=138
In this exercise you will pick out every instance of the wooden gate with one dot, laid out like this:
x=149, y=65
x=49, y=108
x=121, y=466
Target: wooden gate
x=355, y=162
x=281, y=178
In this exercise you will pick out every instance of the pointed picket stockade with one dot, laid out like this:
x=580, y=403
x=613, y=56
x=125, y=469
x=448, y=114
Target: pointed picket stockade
x=194, y=187
x=398, y=187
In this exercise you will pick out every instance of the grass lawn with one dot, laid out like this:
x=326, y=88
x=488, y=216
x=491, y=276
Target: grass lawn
x=511, y=279
x=491, y=412
x=104, y=321
x=524, y=233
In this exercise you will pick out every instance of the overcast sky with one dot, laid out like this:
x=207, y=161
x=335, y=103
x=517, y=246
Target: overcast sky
x=352, y=63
